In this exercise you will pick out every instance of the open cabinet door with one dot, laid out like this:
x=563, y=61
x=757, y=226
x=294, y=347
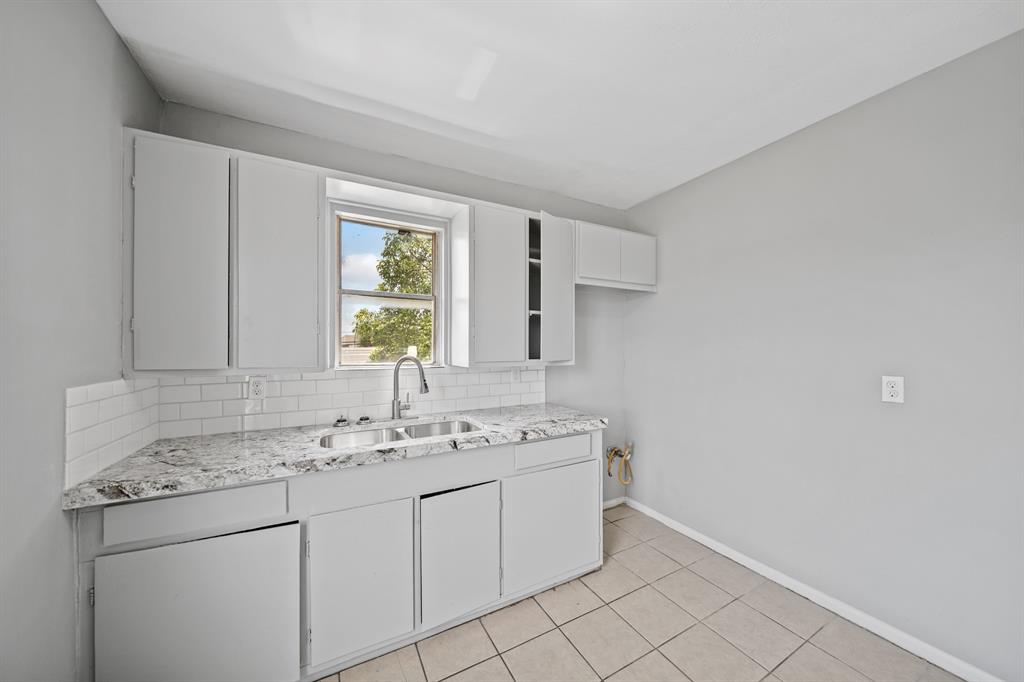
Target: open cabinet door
x=558, y=289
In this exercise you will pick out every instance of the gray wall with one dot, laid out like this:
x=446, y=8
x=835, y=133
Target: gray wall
x=888, y=239
x=68, y=84
x=206, y=126
x=595, y=382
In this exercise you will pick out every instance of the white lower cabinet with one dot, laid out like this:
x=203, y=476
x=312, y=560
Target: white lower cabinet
x=551, y=524
x=224, y=608
x=360, y=578
x=460, y=551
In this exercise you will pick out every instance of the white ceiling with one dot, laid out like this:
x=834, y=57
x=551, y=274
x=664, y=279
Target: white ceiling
x=611, y=102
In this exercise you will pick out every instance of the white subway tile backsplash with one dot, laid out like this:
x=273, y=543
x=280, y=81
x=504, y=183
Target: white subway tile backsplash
x=219, y=392
x=108, y=421
x=180, y=394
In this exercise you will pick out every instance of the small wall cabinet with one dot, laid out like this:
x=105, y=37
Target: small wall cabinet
x=608, y=256
x=225, y=608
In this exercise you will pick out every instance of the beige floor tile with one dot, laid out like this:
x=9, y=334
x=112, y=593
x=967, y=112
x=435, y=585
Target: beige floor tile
x=653, y=615
x=568, y=601
x=491, y=670
x=549, y=657
x=933, y=673
x=612, y=581
x=705, y=657
x=453, y=650
x=651, y=668
x=329, y=678
x=643, y=527
x=811, y=664
x=616, y=539
x=513, y=625
x=699, y=597
x=402, y=665
x=800, y=615
x=771, y=678
x=605, y=640
x=868, y=653
x=620, y=511
x=679, y=548
x=730, y=576
x=646, y=562
x=755, y=634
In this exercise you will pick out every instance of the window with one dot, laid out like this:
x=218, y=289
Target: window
x=387, y=292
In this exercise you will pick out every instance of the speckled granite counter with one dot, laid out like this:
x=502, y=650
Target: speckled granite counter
x=179, y=465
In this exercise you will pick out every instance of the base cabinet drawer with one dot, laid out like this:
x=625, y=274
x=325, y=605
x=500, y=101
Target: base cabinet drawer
x=550, y=451
x=225, y=608
x=460, y=551
x=360, y=578
x=551, y=524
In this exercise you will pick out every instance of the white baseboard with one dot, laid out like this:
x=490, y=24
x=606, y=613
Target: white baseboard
x=942, y=659
x=614, y=502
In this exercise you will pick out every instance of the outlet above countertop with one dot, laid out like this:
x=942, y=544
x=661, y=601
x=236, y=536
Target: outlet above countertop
x=172, y=466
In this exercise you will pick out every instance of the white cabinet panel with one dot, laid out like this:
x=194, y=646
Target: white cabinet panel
x=226, y=608
x=360, y=578
x=639, y=253
x=599, y=250
x=180, y=261
x=558, y=289
x=499, y=285
x=459, y=552
x=278, y=274
x=551, y=524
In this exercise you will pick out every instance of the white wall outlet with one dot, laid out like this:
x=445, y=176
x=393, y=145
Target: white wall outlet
x=257, y=388
x=892, y=389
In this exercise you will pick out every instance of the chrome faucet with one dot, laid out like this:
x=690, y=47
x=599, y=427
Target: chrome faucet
x=396, y=404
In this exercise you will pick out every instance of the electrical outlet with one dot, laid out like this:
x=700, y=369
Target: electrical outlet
x=257, y=388
x=892, y=389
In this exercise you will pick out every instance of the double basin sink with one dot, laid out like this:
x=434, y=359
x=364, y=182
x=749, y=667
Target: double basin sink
x=390, y=434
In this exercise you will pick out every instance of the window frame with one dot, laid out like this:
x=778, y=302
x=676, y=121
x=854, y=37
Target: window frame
x=389, y=219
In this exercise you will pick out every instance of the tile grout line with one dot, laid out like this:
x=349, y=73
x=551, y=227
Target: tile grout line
x=499, y=654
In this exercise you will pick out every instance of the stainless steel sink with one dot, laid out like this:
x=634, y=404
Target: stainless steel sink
x=399, y=433
x=370, y=437
x=438, y=429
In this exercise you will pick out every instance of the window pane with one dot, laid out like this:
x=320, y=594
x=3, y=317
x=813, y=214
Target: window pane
x=375, y=258
x=376, y=330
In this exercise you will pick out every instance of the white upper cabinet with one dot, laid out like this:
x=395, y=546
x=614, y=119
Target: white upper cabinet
x=179, y=308
x=278, y=265
x=558, y=290
x=608, y=256
x=488, y=292
x=638, y=258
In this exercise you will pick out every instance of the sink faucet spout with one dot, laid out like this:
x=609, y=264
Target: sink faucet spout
x=396, y=403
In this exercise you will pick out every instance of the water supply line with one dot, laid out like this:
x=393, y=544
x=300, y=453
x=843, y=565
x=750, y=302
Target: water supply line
x=625, y=468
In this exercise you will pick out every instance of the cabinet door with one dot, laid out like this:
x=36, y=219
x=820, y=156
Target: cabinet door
x=499, y=285
x=558, y=289
x=226, y=608
x=599, y=249
x=360, y=578
x=460, y=536
x=180, y=262
x=278, y=265
x=551, y=524
x=639, y=255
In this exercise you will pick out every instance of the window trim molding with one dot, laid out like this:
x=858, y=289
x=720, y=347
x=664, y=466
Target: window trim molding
x=389, y=218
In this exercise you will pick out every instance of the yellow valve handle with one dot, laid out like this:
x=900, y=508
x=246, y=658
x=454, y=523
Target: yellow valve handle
x=624, y=466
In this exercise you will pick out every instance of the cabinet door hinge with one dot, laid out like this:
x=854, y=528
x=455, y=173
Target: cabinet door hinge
x=309, y=635
x=131, y=181
x=307, y=549
x=92, y=596
x=131, y=324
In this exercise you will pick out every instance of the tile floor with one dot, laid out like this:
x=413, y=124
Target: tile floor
x=663, y=608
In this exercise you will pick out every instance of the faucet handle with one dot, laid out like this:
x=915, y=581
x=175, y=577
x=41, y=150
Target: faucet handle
x=407, y=403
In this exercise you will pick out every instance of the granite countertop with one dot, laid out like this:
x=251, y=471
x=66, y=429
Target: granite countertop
x=180, y=465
